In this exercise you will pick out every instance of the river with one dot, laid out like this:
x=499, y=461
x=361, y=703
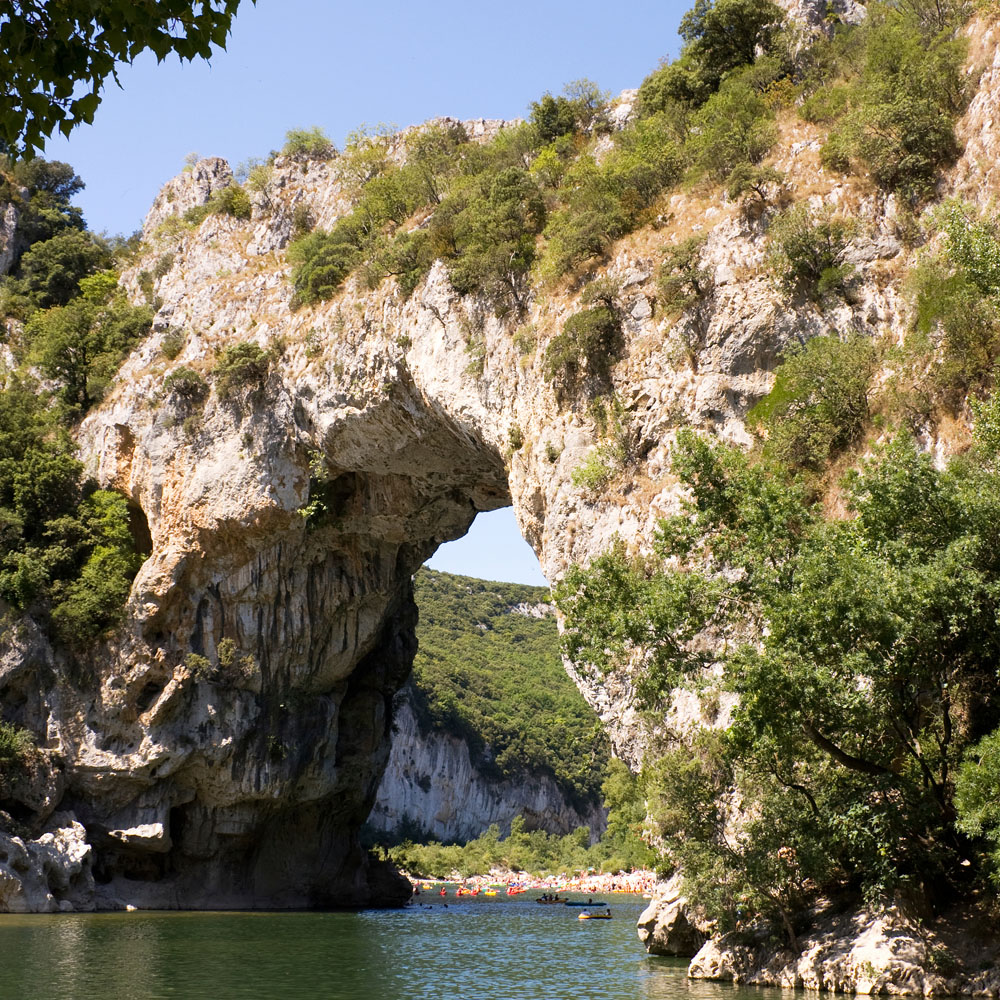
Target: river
x=434, y=949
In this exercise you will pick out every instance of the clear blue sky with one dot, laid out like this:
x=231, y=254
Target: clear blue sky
x=299, y=63
x=492, y=550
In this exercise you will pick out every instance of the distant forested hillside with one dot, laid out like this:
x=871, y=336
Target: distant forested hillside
x=491, y=673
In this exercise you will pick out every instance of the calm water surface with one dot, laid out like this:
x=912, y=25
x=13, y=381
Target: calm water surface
x=481, y=947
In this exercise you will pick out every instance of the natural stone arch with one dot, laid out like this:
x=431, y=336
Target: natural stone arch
x=244, y=782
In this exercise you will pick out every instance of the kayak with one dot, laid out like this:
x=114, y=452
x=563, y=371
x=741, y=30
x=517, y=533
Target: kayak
x=596, y=902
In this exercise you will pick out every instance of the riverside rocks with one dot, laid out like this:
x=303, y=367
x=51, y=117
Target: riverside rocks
x=893, y=951
x=863, y=953
x=668, y=926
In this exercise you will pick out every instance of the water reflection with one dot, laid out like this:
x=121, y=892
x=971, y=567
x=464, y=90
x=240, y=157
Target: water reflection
x=498, y=947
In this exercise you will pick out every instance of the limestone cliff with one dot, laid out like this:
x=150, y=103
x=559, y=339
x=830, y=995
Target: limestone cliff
x=432, y=784
x=245, y=783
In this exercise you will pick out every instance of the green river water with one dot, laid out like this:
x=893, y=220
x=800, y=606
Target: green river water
x=480, y=947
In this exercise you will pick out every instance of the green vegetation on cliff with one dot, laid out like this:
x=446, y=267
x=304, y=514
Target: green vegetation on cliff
x=67, y=552
x=546, y=196
x=863, y=650
x=622, y=848
x=492, y=675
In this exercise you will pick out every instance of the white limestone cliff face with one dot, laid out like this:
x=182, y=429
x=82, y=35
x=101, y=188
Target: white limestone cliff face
x=246, y=784
x=432, y=784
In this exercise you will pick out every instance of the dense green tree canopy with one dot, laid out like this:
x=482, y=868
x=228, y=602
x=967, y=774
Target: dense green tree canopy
x=495, y=677
x=56, y=56
x=864, y=658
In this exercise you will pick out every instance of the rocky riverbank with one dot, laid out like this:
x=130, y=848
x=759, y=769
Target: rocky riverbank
x=893, y=951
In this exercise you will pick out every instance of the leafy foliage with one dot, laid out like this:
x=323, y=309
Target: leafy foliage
x=67, y=555
x=241, y=367
x=586, y=349
x=63, y=544
x=866, y=670
x=720, y=38
x=16, y=746
x=494, y=677
x=977, y=796
x=733, y=130
x=57, y=57
x=894, y=116
x=185, y=384
x=80, y=345
x=312, y=143
x=819, y=402
x=50, y=271
x=604, y=202
x=956, y=305
x=807, y=251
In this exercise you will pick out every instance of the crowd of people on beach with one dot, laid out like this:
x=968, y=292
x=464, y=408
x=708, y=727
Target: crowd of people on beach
x=639, y=881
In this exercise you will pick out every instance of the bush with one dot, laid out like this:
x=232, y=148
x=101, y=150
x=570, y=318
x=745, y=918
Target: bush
x=734, y=128
x=199, y=666
x=895, y=117
x=185, y=384
x=819, y=402
x=311, y=143
x=685, y=287
x=322, y=261
x=494, y=237
x=81, y=345
x=50, y=271
x=229, y=200
x=172, y=343
x=587, y=348
x=806, y=251
x=604, y=202
x=719, y=38
x=553, y=117
x=16, y=745
x=93, y=603
x=232, y=200
x=952, y=315
x=601, y=465
x=241, y=367
x=365, y=156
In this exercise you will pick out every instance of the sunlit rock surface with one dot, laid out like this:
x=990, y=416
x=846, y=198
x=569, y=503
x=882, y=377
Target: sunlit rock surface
x=245, y=781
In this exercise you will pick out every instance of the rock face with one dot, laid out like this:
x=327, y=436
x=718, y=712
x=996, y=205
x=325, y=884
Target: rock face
x=861, y=953
x=50, y=874
x=668, y=925
x=431, y=784
x=288, y=515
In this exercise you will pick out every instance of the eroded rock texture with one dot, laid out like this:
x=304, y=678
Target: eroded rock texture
x=433, y=785
x=284, y=519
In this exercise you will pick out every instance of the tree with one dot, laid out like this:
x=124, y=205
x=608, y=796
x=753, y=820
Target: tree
x=735, y=127
x=495, y=237
x=819, y=403
x=864, y=664
x=726, y=34
x=56, y=57
x=50, y=271
x=82, y=343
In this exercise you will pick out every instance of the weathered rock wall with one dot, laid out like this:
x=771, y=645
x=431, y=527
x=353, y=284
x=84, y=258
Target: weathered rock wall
x=431, y=784
x=244, y=783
